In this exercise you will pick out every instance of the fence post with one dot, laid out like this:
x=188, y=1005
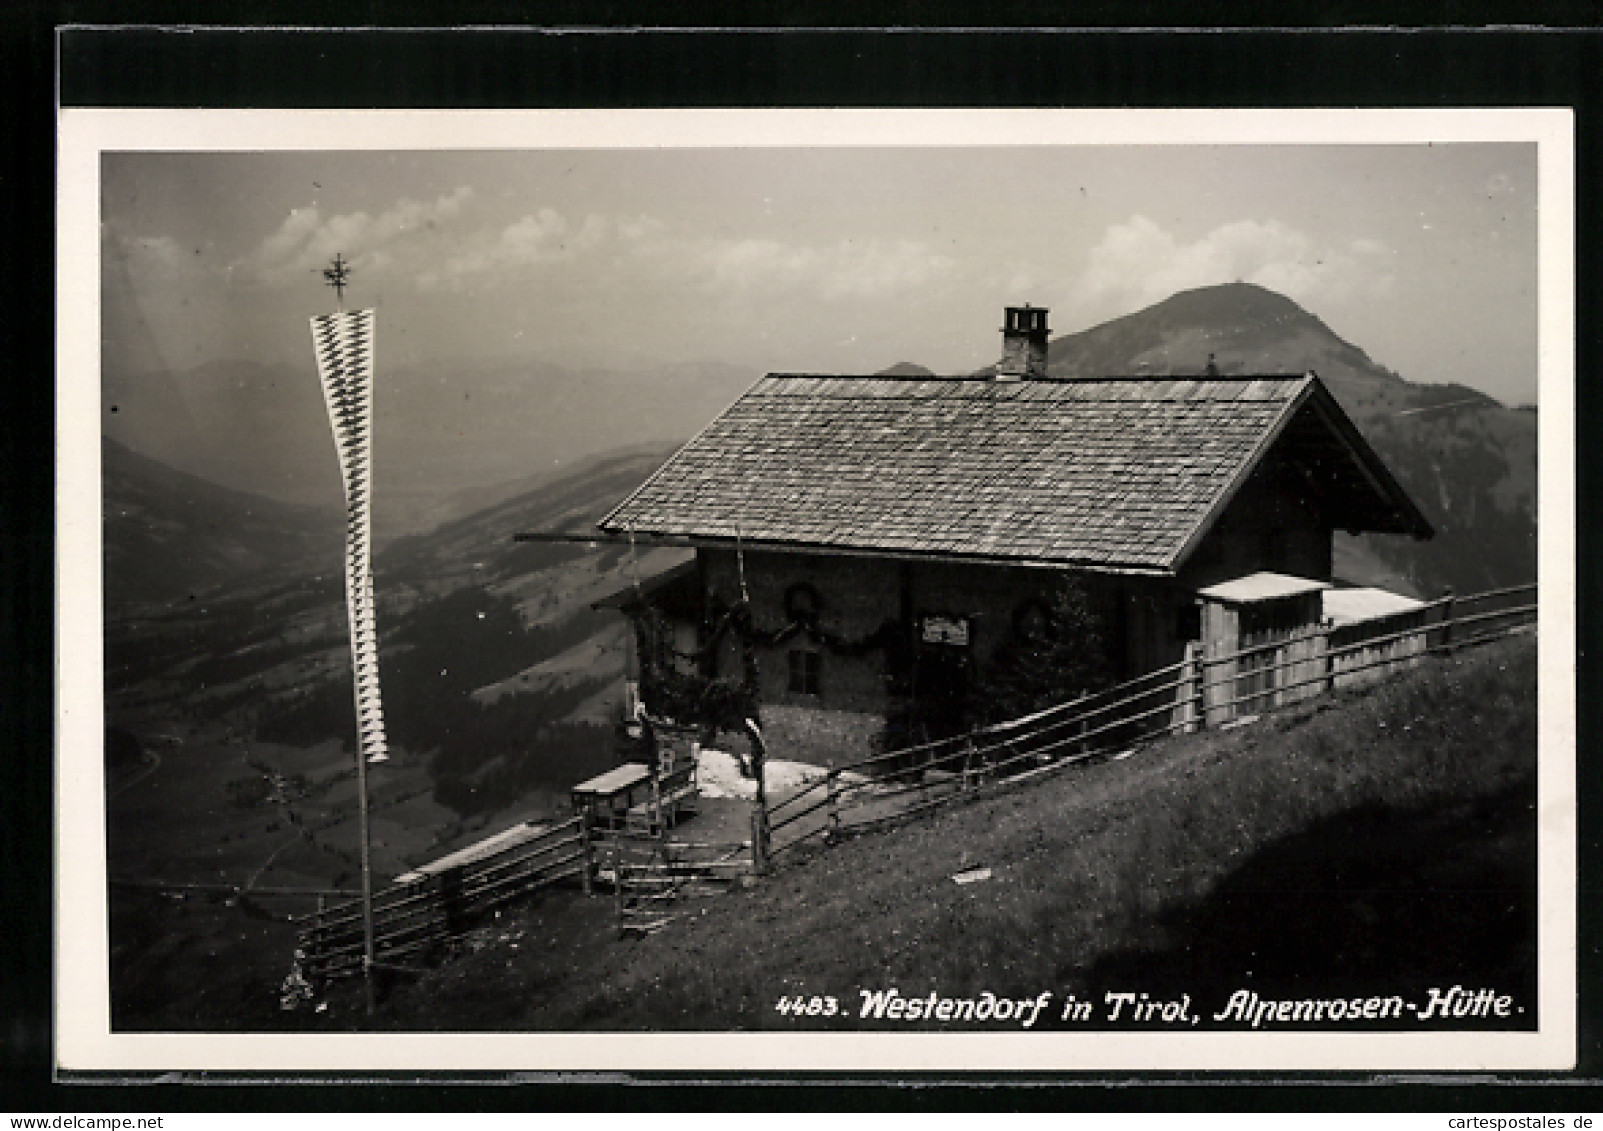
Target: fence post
x=617, y=879
x=834, y=805
x=1447, y=619
x=588, y=852
x=759, y=840
x=1300, y=653
x=1190, y=688
x=655, y=824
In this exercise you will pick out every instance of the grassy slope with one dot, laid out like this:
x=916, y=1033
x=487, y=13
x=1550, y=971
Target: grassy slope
x=1380, y=840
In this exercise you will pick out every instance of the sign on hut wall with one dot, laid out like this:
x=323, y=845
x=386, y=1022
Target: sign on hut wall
x=945, y=630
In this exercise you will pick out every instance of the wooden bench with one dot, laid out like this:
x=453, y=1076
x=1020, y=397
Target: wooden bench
x=677, y=794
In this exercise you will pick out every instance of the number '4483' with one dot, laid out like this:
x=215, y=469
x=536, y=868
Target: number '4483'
x=800, y=1006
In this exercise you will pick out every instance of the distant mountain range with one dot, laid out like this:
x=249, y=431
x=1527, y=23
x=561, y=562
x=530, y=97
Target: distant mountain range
x=442, y=435
x=468, y=475
x=479, y=548
x=169, y=535
x=1467, y=460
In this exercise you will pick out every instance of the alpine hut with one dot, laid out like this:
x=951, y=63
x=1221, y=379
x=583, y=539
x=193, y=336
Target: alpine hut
x=887, y=535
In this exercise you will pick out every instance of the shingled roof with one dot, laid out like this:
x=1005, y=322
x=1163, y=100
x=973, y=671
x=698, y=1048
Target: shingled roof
x=1123, y=474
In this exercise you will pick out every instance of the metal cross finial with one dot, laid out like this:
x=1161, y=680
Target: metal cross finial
x=338, y=276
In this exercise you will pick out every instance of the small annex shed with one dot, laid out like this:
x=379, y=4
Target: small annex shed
x=891, y=533
x=1261, y=606
x=1267, y=624
x=1367, y=625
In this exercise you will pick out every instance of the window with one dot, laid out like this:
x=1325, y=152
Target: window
x=806, y=672
x=1188, y=622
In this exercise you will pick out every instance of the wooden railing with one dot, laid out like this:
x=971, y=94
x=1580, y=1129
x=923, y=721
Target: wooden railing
x=410, y=918
x=674, y=794
x=650, y=875
x=1202, y=690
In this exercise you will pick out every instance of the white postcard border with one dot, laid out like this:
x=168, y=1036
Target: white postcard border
x=82, y=1012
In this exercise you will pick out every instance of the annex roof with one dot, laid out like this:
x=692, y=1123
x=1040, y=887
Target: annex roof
x=1261, y=586
x=1344, y=606
x=1121, y=474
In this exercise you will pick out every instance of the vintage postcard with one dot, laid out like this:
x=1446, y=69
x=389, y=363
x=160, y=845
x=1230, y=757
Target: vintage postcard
x=854, y=591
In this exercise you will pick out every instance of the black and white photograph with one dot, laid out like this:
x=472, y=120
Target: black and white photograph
x=774, y=590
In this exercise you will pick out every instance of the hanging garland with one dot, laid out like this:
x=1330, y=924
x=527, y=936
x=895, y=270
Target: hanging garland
x=725, y=702
x=690, y=697
x=737, y=619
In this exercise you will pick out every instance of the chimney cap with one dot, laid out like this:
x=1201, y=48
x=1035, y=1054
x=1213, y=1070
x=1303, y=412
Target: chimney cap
x=1024, y=343
x=1024, y=319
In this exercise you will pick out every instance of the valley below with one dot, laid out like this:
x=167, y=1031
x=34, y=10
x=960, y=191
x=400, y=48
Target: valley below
x=231, y=790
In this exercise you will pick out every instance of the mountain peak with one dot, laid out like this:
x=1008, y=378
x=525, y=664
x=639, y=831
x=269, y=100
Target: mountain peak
x=1229, y=308
x=1245, y=328
x=1239, y=291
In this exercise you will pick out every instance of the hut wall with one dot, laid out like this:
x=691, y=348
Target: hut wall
x=1274, y=524
x=856, y=596
x=859, y=597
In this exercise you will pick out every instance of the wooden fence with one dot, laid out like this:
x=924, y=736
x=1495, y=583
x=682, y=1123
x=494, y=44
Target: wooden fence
x=650, y=875
x=408, y=919
x=1202, y=690
x=1368, y=650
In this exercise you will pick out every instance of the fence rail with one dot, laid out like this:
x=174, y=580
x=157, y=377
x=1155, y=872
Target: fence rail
x=409, y=918
x=1202, y=690
x=650, y=874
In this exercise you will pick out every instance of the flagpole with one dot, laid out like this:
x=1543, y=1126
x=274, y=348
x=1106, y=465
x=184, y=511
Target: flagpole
x=367, y=866
x=344, y=346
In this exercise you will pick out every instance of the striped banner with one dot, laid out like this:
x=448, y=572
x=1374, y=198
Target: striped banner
x=344, y=344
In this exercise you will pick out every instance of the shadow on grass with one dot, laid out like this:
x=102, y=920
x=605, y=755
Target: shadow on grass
x=1375, y=901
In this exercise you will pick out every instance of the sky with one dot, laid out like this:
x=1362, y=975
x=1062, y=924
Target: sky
x=814, y=259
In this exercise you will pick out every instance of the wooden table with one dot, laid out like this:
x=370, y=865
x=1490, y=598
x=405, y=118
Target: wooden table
x=607, y=798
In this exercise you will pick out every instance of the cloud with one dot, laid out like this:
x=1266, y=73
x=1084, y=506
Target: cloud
x=1138, y=263
x=640, y=229
x=292, y=237
x=531, y=241
x=404, y=234
x=844, y=270
x=643, y=248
